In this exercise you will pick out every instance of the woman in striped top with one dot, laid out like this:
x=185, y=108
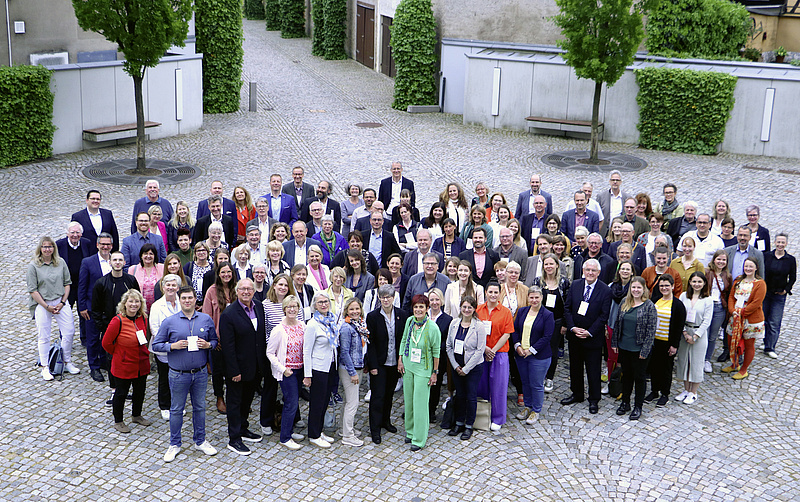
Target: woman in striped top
x=669, y=330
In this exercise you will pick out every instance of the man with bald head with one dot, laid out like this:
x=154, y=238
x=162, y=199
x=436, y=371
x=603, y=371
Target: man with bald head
x=296, y=250
x=152, y=190
x=412, y=261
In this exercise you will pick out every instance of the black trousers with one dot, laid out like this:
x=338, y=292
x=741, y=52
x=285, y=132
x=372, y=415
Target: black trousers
x=320, y=396
x=661, y=367
x=380, y=403
x=239, y=399
x=269, y=400
x=218, y=372
x=556, y=341
x=580, y=356
x=634, y=374
x=164, y=396
x=121, y=392
x=436, y=390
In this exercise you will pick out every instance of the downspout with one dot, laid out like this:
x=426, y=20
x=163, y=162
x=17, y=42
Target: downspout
x=8, y=32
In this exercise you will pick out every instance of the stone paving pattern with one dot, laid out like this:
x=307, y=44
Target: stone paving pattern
x=738, y=442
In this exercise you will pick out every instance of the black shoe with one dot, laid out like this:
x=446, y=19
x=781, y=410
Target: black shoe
x=408, y=440
x=250, y=436
x=571, y=399
x=97, y=375
x=129, y=397
x=456, y=430
x=662, y=401
x=432, y=418
x=239, y=448
x=466, y=434
x=725, y=356
x=376, y=440
x=636, y=413
x=304, y=394
x=415, y=448
x=623, y=408
x=390, y=428
x=650, y=397
x=593, y=408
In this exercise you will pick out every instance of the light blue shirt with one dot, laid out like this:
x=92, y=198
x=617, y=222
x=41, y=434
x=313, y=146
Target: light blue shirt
x=738, y=262
x=376, y=244
x=275, y=206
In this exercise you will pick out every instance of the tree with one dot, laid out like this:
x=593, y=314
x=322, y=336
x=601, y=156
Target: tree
x=600, y=40
x=144, y=30
x=414, y=52
x=218, y=24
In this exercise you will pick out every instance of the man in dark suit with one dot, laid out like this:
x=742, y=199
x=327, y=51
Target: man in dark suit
x=329, y=205
x=390, y=188
x=379, y=241
x=73, y=249
x=524, y=198
x=385, y=326
x=686, y=223
x=532, y=224
x=580, y=216
x=638, y=254
x=586, y=309
x=412, y=261
x=363, y=225
x=299, y=190
x=488, y=256
x=282, y=207
x=262, y=221
x=96, y=220
x=93, y=268
x=741, y=251
x=296, y=250
x=594, y=250
x=243, y=335
x=228, y=206
x=612, y=199
x=228, y=227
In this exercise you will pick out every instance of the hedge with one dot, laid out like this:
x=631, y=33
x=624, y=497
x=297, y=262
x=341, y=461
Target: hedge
x=254, y=9
x=414, y=52
x=26, y=114
x=318, y=23
x=272, y=14
x=293, y=20
x=219, y=38
x=335, y=26
x=683, y=110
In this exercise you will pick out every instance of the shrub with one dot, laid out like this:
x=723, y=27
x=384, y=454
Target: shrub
x=26, y=114
x=219, y=37
x=318, y=27
x=293, y=21
x=683, y=110
x=697, y=28
x=253, y=9
x=414, y=52
x=272, y=14
x=335, y=26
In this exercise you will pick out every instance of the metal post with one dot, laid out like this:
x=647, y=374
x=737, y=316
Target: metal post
x=253, y=96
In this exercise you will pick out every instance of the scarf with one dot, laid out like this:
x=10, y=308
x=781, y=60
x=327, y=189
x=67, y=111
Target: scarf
x=736, y=340
x=328, y=322
x=359, y=325
x=414, y=325
x=669, y=207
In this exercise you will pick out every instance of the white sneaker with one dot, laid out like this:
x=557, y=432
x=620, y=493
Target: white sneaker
x=356, y=433
x=772, y=354
x=367, y=396
x=399, y=384
x=532, y=418
x=171, y=453
x=73, y=370
x=494, y=427
x=266, y=430
x=604, y=389
x=683, y=395
x=707, y=367
x=548, y=386
x=46, y=374
x=206, y=448
x=523, y=413
x=294, y=446
x=300, y=424
x=298, y=437
x=326, y=437
x=165, y=414
x=320, y=442
x=353, y=441
x=444, y=404
x=690, y=399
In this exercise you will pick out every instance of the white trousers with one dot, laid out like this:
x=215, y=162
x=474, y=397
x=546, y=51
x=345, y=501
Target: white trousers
x=44, y=326
x=350, y=402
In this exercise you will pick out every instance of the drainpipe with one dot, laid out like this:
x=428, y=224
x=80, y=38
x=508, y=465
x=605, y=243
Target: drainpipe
x=8, y=31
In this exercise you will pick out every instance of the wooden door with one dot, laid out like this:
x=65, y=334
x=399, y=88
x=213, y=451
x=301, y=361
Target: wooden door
x=365, y=35
x=387, y=61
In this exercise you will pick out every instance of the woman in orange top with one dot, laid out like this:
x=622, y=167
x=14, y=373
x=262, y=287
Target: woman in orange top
x=126, y=339
x=245, y=211
x=747, y=317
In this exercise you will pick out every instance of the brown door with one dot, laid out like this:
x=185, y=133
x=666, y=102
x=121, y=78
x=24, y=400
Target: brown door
x=387, y=61
x=365, y=35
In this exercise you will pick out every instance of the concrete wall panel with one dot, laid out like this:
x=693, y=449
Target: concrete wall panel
x=66, y=86
x=160, y=93
x=516, y=82
x=549, y=91
x=785, y=121
x=743, y=131
x=478, y=93
x=96, y=104
x=581, y=97
x=621, y=113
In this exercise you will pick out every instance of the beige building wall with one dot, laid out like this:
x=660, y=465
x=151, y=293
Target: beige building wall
x=789, y=33
x=518, y=21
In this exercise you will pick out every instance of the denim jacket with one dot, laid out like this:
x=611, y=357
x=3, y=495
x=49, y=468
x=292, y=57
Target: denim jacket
x=351, y=353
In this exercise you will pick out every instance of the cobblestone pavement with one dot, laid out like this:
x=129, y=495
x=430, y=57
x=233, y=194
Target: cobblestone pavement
x=738, y=442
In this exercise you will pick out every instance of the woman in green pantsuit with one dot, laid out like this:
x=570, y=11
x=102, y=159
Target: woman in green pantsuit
x=419, y=351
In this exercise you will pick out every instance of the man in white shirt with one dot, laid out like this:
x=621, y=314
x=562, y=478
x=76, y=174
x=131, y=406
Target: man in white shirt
x=706, y=243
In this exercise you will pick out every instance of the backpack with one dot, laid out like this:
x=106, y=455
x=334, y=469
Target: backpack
x=55, y=360
x=615, y=382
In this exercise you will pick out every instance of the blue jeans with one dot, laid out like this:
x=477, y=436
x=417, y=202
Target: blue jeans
x=773, y=315
x=532, y=371
x=181, y=385
x=290, y=386
x=713, y=331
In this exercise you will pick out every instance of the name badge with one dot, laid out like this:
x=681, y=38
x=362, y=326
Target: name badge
x=760, y=245
x=140, y=336
x=690, y=316
x=469, y=243
x=306, y=313
x=550, y=302
x=415, y=355
x=192, y=344
x=739, y=302
x=535, y=232
x=582, y=308
x=255, y=323
x=459, y=348
x=487, y=325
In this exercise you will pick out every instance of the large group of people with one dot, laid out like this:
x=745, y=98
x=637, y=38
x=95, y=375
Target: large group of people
x=296, y=291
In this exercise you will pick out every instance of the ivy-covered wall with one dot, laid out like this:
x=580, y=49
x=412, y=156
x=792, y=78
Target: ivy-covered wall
x=218, y=25
x=26, y=114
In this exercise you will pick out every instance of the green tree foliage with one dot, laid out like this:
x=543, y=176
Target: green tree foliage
x=293, y=20
x=318, y=32
x=26, y=114
x=335, y=29
x=697, y=28
x=414, y=52
x=219, y=38
x=253, y=9
x=272, y=14
x=600, y=40
x=144, y=30
x=683, y=110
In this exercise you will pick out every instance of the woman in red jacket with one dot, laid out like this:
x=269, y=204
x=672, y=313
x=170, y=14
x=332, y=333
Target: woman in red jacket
x=126, y=340
x=747, y=317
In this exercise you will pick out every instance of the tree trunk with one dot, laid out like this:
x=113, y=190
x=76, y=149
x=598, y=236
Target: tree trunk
x=139, y=100
x=598, y=86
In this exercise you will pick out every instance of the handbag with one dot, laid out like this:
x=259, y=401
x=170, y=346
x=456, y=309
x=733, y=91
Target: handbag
x=483, y=415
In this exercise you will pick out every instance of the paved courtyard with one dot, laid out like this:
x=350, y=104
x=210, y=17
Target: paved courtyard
x=738, y=442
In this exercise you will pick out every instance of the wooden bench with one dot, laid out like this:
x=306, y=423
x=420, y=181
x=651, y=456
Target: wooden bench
x=564, y=125
x=116, y=132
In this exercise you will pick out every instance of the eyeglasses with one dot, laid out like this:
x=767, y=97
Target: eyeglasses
x=431, y=264
x=322, y=302
x=293, y=306
x=245, y=288
x=47, y=247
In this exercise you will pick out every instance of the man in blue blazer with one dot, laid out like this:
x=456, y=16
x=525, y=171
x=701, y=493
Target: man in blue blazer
x=524, y=198
x=390, y=188
x=94, y=214
x=73, y=249
x=93, y=268
x=591, y=219
x=586, y=309
x=281, y=206
x=228, y=226
x=532, y=224
x=228, y=206
x=298, y=189
x=300, y=242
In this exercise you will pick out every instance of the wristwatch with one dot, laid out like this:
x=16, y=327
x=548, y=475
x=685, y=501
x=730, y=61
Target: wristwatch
x=436, y=372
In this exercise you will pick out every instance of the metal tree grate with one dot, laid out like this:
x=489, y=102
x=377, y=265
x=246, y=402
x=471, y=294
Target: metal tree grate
x=121, y=172
x=576, y=160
